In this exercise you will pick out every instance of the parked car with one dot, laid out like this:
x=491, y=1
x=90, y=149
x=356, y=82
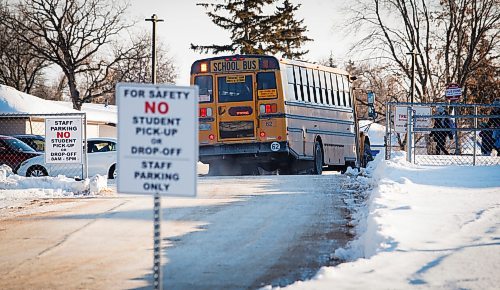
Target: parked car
x=37, y=142
x=14, y=151
x=101, y=160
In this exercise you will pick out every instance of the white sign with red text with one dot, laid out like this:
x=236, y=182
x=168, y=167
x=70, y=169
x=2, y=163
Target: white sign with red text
x=401, y=118
x=453, y=92
x=63, y=140
x=157, y=139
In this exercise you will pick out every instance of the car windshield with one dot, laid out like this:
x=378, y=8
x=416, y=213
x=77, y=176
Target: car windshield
x=18, y=145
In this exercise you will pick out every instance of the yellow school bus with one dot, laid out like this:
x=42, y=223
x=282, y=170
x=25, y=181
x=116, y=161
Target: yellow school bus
x=260, y=112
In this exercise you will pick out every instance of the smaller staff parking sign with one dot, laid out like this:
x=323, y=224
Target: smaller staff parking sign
x=63, y=140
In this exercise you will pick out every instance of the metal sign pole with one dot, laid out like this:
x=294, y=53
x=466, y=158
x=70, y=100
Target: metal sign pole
x=157, y=283
x=157, y=199
x=409, y=132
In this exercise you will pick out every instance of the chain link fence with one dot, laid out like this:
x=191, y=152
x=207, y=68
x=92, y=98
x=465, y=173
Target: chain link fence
x=23, y=146
x=444, y=134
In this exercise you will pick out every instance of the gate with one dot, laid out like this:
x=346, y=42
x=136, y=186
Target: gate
x=461, y=134
x=30, y=129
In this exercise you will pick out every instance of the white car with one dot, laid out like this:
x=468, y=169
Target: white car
x=101, y=160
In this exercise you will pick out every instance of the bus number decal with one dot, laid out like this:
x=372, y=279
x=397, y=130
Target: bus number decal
x=275, y=146
x=269, y=124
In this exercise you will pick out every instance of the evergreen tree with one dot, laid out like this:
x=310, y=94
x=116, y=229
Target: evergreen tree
x=244, y=19
x=287, y=32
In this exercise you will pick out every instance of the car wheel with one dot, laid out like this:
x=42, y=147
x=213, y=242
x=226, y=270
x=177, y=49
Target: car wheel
x=113, y=173
x=36, y=171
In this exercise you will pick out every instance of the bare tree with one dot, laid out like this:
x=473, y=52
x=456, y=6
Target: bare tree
x=20, y=66
x=136, y=67
x=445, y=34
x=75, y=34
x=471, y=34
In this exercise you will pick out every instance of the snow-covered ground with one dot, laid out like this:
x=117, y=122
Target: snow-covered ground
x=422, y=228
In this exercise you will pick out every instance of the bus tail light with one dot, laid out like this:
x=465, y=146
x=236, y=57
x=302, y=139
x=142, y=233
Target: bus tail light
x=205, y=112
x=262, y=134
x=211, y=137
x=268, y=108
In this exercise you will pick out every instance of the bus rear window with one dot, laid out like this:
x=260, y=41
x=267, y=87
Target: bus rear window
x=205, y=84
x=266, y=85
x=266, y=81
x=235, y=88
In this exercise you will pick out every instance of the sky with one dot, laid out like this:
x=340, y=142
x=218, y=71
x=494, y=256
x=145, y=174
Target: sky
x=185, y=23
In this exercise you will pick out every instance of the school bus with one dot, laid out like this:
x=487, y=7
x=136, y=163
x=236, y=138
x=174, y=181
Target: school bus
x=276, y=114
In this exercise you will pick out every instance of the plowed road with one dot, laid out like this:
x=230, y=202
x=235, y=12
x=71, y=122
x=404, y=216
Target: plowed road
x=239, y=233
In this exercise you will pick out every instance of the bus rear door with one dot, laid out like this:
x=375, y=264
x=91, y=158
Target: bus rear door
x=236, y=112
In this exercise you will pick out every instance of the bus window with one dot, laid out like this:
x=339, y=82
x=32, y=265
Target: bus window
x=298, y=83
x=328, y=89
x=347, y=90
x=335, y=89
x=340, y=91
x=319, y=86
x=290, y=83
x=266, y=85
x=205, y=85
x=343, y=94
x=234, y=89
x=324, y=88
x=305, y=86
x=310, y=85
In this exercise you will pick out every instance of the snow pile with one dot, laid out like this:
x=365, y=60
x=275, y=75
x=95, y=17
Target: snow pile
x=424, y=227
x=14, y=187
x=376, y=132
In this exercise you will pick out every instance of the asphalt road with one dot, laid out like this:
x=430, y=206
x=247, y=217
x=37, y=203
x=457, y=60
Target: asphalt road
x=239, y=233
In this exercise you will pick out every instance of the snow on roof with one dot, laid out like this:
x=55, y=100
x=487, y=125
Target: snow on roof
x=96, y=112
x=14, y=101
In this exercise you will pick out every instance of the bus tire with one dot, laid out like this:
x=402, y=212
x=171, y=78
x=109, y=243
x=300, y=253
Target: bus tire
x=318, y=159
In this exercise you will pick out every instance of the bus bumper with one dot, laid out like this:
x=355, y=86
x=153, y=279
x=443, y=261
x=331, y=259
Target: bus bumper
x=268, y=151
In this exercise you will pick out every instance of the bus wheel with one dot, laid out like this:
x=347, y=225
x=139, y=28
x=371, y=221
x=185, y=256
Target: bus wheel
x=318, y=159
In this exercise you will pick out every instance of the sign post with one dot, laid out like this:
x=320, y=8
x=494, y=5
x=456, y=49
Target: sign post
x=157, y=146
x=453, y=93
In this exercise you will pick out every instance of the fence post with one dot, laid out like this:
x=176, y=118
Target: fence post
x=409, y=129
x=85, y=148
x=387, y=138
x=474, y=138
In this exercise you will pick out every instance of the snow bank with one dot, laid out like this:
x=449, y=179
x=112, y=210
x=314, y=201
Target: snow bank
x=376, y=132
x=15, y=187
x=425, y=227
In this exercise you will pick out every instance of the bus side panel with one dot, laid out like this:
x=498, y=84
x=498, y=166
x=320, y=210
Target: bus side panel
x=272, y=125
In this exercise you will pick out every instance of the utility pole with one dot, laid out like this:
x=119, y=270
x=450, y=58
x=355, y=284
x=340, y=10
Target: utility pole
x=414, y=54
x=157, y=277
x=154, y=19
